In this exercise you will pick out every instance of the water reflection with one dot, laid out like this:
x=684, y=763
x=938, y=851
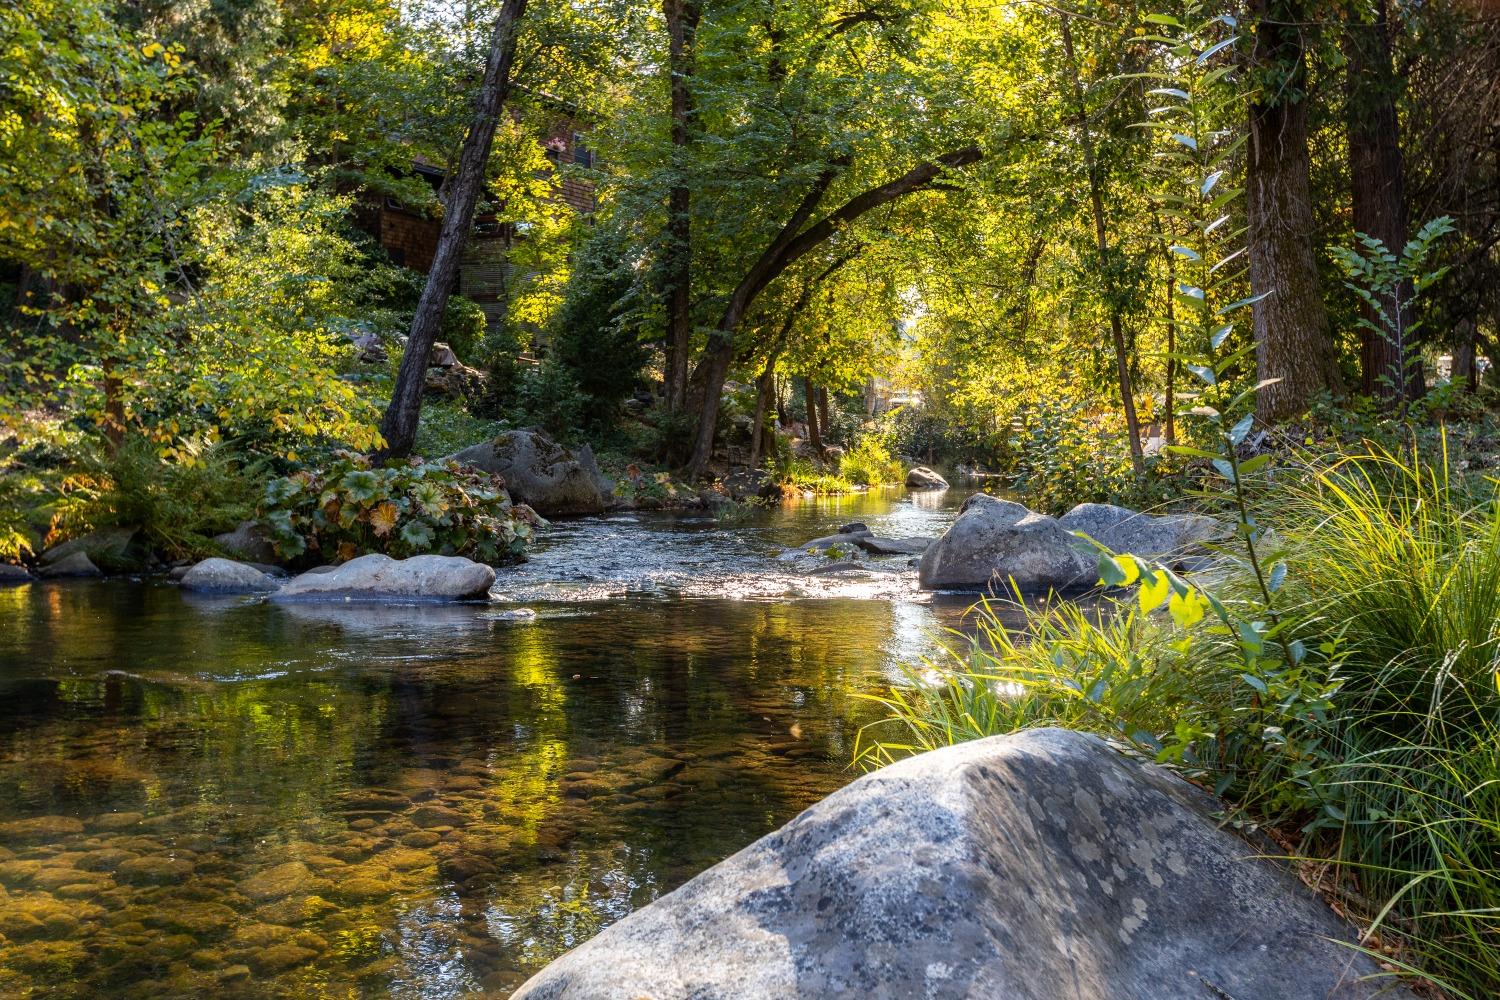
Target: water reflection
x=239, y=798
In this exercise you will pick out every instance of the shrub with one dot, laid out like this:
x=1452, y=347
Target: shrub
x=178, y=504
x=347, y=508
x=594, y=336
x=870, y=463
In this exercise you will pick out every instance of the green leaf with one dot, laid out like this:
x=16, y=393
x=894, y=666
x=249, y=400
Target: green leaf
x=1252, y=465
x=1153, y=591
x=1278, y=577
x=1241, y=428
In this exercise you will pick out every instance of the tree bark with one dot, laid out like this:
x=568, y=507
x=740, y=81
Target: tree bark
x=1101, y=240
x=765, y=390
x=814, y=432
x=1292, y=340
x=682, y=27
x=823, y=422
x=1377, y=181
x=399, y=427
x=790, y=245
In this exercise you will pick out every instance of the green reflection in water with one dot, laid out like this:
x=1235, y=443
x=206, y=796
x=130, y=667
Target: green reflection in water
x=236, y=799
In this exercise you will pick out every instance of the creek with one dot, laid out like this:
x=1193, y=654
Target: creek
x=235, y=798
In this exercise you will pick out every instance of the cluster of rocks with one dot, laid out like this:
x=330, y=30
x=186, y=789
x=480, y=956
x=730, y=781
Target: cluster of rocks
x=995, y=542
x=551, y=479
x=1026, y=866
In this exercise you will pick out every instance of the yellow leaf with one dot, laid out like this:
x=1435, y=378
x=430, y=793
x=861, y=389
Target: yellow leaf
x=383, y=518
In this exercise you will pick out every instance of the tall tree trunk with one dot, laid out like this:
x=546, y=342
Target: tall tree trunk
x=824, y=423
x=1101, y=239
x=793, y=242
x=400, y=424
x=814, y=432
x=1170, y=402
x=765, y=390
x=1292, y=341
x=682, y=27
x=1377, y=179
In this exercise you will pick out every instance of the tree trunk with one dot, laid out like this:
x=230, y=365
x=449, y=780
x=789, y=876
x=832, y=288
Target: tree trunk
x=765, y=390
x=1101, y=239
x=1465, y=369
x=824, y=423
x=400, y=424
x=1377, y=179
x=814, y=432
x=789, y=245
x=1170, y=402
x=682, y=26
x=1292, y=341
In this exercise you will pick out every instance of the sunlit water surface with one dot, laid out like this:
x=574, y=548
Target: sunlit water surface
x=232, y=798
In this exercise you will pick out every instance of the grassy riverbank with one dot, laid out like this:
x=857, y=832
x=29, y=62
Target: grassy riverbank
x=1355, y=716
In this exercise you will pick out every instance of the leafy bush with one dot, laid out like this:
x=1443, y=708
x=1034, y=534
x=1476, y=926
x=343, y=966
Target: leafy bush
x=1065, y=454
x=870, y=463
x=547, y=396
x=347, y=508
x=178, y=504
x=447, y=426
x=594, y=336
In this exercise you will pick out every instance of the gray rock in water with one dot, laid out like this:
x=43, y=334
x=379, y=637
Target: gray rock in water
x=115, y=549
x=994, y=541
x=225, y=576
x=923, y=478
x=378, y=577
x=11, y=574
x=1029, y=867
x=1124, y=530
x=540, y=472
x=854, y=528
x=913, y=545
x=249, y=542
x=75, y=564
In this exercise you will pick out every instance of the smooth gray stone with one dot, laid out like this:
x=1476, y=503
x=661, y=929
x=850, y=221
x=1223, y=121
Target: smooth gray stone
x=995, y=541
x=378, y=577
x=1038, y=866
x=225, y=576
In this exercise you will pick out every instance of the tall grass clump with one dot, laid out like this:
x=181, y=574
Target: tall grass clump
x=1369, y=745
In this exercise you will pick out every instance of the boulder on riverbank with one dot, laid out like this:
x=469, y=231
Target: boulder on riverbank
x=117, y=550
x=225, y=576
x=378, y=577
x=74, y=565
x=994, y=541
x=11, y=574
x=541, y=473
x=250, y=542
x=1124, y=530
x=923, y=478
x=1029, y=867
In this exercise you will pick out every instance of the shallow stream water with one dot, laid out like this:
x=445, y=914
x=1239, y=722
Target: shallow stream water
x=233, y=798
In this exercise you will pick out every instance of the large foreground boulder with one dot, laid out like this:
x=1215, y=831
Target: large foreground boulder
x=541, y=473
x=225, y=576
x=381, y=578
x=994, y=541
x=1125, y=530
x=1030, y=867
x=923, y=478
